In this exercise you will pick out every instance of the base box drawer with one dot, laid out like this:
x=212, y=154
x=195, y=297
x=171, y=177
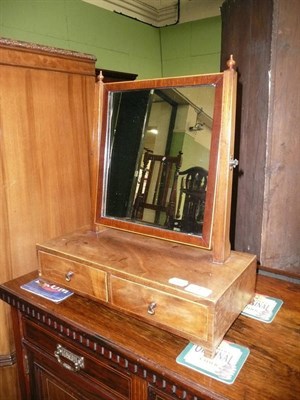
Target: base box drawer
x=160, y=308
x=73, y=275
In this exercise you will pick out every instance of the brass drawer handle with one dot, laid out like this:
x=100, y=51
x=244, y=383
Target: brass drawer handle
x=76, y=360
x=151, y=308
x=69, y=276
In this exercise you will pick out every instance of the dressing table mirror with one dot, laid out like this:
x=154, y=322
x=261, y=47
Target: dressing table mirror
x=159, y=250
x=160, y=154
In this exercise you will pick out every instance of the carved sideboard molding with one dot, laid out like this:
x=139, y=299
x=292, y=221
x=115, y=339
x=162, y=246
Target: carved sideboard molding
x=7, y=360
x=44, y=49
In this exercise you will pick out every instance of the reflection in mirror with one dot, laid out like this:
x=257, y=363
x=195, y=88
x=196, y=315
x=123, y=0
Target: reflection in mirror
x=159, y=152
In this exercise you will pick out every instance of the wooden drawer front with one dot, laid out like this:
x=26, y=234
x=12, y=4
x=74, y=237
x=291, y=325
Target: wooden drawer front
x=82, y=278
x=64, y=355
x=159, y=307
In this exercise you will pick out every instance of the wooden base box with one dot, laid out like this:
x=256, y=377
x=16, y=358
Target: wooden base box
x=170, y=285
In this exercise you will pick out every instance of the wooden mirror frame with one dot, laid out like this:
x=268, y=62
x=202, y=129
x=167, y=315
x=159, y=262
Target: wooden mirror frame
x=217, y=209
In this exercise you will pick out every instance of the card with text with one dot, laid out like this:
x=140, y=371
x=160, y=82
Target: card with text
x=47, y=290
x=224, y=366
x=263, y=308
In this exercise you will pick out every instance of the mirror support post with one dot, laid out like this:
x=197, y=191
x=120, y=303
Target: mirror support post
x=220, y=242
x=94, y=146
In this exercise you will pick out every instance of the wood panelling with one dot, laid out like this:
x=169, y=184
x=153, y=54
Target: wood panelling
x=281, y=222
x=6, y=338
x=9, y=386
x=45, y=155
x=46, y=106
x=264, y=37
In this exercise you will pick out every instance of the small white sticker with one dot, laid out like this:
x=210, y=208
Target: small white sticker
x=178, y=282
x=199, y=290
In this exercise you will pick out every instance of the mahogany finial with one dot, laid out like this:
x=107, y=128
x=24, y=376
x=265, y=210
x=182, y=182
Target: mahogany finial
x=231, y=62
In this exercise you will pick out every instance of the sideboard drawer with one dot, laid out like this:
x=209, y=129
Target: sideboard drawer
x=73, y=275
x=160, y=308
x=73, y=364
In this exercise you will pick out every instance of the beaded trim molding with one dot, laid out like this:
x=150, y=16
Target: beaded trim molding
x=43, y=48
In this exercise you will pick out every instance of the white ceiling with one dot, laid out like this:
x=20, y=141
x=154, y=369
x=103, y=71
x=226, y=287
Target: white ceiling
x=162, y=12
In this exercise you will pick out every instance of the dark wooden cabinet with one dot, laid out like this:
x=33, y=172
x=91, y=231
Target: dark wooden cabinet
x=264, y=38
x=80, y=349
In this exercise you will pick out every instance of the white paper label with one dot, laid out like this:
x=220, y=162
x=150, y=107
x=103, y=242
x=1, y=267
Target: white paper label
x=178, y=282
x=199, y=290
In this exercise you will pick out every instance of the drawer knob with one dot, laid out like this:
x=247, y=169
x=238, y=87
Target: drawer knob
x=73, y=358
x=151, y=308
x=69, y=275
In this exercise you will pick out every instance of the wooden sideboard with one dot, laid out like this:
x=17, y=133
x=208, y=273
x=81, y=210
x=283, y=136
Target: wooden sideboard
x=125, y=358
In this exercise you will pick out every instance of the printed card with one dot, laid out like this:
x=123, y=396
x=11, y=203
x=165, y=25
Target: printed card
x=47, y=290
x=263, y=308
x=224, y=366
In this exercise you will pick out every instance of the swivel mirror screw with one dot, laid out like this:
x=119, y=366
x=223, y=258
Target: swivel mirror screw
x=233, y=163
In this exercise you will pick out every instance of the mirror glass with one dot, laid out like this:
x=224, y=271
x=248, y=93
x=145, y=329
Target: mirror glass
x=158, y=169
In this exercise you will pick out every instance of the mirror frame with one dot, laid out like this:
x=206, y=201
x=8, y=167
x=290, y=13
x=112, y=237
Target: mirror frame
x=221, y=152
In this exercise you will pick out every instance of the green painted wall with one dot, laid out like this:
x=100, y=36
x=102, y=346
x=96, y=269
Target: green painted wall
x=191, y=48
x=118, y=42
